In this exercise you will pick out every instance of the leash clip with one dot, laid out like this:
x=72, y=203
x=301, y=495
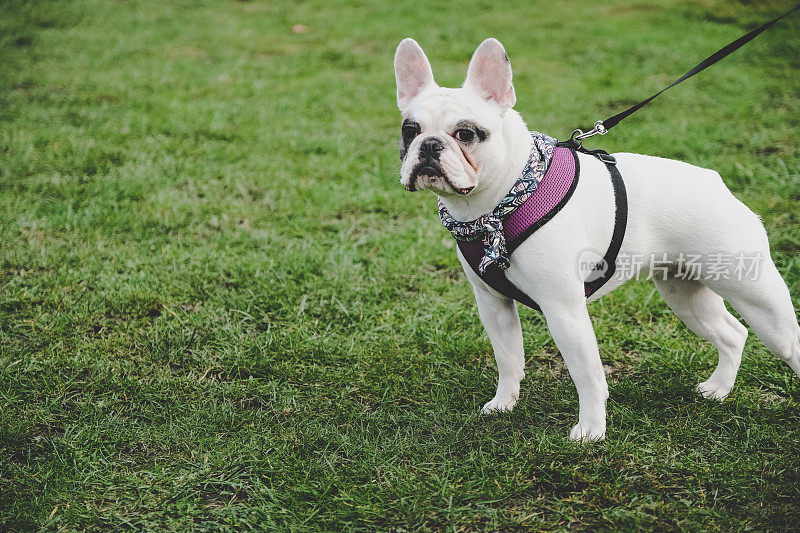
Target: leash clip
x=578, y=135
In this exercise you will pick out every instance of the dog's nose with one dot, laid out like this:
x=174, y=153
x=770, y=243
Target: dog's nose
x=431, y=147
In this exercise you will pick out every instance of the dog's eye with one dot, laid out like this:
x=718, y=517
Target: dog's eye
x=464, y=135
x=409, y=132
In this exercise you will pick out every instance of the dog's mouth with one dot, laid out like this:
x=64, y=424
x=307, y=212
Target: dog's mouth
x=433, y=171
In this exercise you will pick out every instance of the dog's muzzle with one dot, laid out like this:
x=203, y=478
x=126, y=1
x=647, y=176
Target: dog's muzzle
x=429, y=150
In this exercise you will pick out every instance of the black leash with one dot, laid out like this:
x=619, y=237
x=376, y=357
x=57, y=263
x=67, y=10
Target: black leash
x=601, y=127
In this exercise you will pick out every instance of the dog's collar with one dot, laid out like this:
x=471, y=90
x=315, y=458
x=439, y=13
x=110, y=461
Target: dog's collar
x=489, y=227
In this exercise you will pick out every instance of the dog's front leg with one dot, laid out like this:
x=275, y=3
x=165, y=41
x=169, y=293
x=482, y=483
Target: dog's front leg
x=501, y=321
x=573, y=334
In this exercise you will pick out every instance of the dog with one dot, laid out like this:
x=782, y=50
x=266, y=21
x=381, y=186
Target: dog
x=468, y=146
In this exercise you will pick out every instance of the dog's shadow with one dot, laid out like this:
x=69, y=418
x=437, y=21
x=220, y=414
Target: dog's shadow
x=646, y=404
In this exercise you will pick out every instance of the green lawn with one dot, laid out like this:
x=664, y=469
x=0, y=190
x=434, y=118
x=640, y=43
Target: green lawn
x=219, y=309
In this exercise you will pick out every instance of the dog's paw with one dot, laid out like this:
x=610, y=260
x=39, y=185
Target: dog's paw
x=497, y=404
x=588, y=433
x=713, y=390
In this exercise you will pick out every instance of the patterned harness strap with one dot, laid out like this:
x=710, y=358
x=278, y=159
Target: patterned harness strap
x=489, y=227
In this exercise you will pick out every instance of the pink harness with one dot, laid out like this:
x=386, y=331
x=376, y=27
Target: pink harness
x=553, y=192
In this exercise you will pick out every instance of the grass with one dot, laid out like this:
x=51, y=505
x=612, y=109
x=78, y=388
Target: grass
x=219, y=309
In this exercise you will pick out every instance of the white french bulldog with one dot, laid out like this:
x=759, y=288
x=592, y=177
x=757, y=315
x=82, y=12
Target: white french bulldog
x=481, y=146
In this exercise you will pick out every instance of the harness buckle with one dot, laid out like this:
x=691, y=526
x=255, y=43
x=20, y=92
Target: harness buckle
x=605, y=157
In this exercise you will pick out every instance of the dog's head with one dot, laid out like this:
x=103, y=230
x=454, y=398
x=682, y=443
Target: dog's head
x=452, y=140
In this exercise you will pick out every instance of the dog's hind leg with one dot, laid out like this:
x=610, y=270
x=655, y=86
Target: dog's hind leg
x=703, y=311
x=765, y=305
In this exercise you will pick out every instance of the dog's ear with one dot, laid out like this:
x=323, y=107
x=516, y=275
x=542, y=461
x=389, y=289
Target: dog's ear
x=412, y=72
x=489, y=74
